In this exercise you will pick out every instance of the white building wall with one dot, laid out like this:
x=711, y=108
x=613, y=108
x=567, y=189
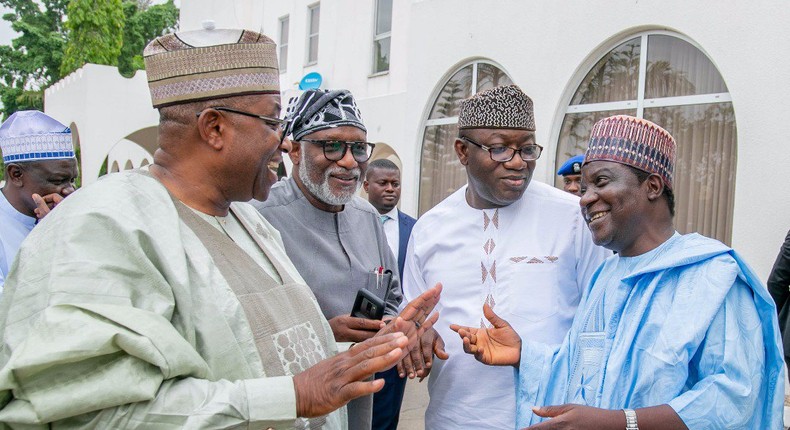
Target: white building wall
x=546, y=47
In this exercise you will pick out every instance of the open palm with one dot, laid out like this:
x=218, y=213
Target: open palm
x=496, y=346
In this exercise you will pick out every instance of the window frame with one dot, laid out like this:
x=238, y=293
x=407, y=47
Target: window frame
x=427, y=121
x=380, y=36
x=310, y=36
x=283, y=46
x=638, y=105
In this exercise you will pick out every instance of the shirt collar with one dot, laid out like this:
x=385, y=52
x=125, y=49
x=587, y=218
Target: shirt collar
x=10, y=211
x=393, y=213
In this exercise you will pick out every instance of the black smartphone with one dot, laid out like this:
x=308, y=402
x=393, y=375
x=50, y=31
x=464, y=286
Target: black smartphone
x=368, y=305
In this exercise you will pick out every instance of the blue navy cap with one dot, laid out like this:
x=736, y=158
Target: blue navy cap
x=572, y=167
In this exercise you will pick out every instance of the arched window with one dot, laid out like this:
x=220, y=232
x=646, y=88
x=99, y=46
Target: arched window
x=667, y=79
x=440, y=172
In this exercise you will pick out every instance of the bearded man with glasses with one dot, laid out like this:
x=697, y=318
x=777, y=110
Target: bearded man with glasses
x=518, y=245
x=334, y=238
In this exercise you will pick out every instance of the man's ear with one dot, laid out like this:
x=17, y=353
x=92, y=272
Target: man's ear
x=655, y=187
x=295, y=153
x=213, y=128
x=462, y=150
x=14, y=174
x=365, y=185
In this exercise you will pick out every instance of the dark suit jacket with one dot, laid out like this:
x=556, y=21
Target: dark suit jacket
x=405, y=224
x=779, y=287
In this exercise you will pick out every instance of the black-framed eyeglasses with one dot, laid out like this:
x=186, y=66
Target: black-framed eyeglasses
x=335, y=150
x=503, y=154
x=280, y=125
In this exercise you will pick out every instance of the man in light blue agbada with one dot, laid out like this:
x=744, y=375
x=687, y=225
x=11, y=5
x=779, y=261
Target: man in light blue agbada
x=40, y=170
x=674, y=332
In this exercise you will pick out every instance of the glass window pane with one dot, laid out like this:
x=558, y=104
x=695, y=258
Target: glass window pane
x=490, y=76
x=575, y=134
x=614, y=78
x=381, y=55
x=383, y=16
x=315, y=14
x=677, y=68
x=313, y=50
x=704, y=178
x=284, y=30
x=441, y=173
x=283, y=58
x=457, y=88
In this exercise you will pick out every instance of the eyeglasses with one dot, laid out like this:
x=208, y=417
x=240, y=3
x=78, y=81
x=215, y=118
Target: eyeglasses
x=503, y=154
x=335, y=150
x=280, y=125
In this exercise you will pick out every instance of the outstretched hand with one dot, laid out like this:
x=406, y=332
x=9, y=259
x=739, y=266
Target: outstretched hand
x=570, y=416
x=496, y=346
x=416, y=321
x=333, y=382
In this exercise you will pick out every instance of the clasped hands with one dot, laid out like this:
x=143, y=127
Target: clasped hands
x=333, y=382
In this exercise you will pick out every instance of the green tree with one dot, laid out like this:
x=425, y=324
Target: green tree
x=143, y=23
x=94, y=33
x=112, y=32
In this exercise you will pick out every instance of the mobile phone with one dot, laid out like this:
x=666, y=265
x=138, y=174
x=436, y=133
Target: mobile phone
x=368, y=305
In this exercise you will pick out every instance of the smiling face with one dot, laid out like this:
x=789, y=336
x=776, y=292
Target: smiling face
x=616, y=206
x=493, y=184
x=257, y=151
x=328, y=184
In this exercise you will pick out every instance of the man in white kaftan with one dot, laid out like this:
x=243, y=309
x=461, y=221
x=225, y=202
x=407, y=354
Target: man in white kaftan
x=675, y=332
x=519, y=245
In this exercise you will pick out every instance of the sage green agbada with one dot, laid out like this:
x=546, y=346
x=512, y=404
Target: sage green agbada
x=127, y=309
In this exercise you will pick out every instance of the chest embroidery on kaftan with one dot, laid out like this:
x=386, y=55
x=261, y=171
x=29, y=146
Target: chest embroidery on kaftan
x=488, y=259
x=299, y=348
x=529, y=259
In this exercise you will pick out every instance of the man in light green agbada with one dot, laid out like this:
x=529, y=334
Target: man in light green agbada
x=154, y=299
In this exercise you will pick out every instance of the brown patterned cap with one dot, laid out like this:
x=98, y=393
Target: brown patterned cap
x=635, y=142
x=500, y=107
x=208, y=64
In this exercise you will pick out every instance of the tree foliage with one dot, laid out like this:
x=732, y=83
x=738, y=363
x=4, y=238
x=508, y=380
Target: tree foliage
x=57, y=37
x=94, y=33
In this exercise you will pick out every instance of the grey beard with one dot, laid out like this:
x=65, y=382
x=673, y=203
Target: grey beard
x=322, y=191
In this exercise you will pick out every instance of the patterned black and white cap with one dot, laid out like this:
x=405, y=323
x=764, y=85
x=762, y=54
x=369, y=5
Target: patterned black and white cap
x=500, y=107
x=317, y=110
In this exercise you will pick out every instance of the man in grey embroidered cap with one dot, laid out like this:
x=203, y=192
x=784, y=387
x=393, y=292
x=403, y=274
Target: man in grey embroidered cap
x=40, y=169
x=333, y=237
x=153, y=298
x=518, y=245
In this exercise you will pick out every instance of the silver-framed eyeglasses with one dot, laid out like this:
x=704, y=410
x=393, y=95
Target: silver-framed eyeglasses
x=335, y=150
x=280, y=125
x=503, y=154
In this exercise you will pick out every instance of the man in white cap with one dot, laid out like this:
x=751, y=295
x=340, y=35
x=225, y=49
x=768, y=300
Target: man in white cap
x=155, y=298
x=40, y=169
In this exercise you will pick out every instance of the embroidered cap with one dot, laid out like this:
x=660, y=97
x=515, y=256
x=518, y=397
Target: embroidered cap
x=500, y=107
x=572, y=167
x=30, y=135
x=635, y=142
x=209, y=64
x=316, y=110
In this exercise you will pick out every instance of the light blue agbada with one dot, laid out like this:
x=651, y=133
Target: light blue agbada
x=687, y=324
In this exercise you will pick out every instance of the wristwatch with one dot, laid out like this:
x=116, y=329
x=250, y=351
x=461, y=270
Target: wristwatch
x=630, y=419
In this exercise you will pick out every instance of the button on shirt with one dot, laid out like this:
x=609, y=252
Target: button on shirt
x=392, y=229
x=14, y=228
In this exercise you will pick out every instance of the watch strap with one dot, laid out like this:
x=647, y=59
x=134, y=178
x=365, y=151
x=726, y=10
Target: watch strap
x=630, y=419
